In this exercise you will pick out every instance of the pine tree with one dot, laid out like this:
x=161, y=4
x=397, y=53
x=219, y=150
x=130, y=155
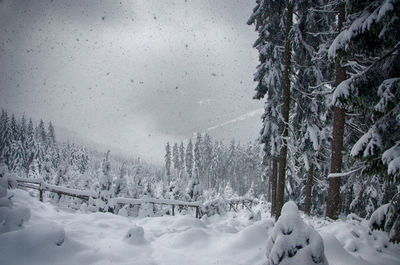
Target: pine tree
x=51, y=138
x=41, y=132
x=267, y=19
x=198, y=160
x=105, y=182
x=189, y=159
x=23, y=130
x=168, y=161
x=368, y=44
x=5, y=137
x=175, y=158
x=207, y=155
x=181, y=158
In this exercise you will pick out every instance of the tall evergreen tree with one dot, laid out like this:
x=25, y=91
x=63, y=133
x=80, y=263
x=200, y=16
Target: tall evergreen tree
x=189, y=159
x=368, y=44
x=175, y=158
x=50, y=135
x=168, y=161
x=181, y=158
x=267, y=19
x=198, y=160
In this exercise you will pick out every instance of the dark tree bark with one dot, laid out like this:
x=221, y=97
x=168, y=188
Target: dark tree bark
x=285, y=112
x=337, y=137
x=273, y=185
x=307, y=206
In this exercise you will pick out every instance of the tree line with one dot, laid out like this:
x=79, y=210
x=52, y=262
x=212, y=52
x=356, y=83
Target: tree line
x=213, y=166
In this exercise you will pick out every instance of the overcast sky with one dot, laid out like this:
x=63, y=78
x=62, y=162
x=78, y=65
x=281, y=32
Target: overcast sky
x=130, y=74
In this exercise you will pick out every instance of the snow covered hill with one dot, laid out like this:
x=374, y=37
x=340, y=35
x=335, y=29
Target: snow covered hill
x=60, y=236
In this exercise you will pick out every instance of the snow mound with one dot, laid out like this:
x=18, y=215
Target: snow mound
x=10, y=218
x=13, y=219
x=294, y=242
x=359, y=241
x=185, y=239
x=187, y=221
x=251, y=236
x=135, y=236
x=32, y=239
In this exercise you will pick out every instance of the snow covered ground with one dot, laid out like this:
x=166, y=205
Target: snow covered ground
x=58, y=236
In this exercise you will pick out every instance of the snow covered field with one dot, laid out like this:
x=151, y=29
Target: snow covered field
x=58, y=236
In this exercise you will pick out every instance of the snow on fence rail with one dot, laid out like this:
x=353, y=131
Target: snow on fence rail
x=173, y=203
x=42, y=186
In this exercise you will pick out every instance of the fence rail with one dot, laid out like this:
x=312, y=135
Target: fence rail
x=40, y=185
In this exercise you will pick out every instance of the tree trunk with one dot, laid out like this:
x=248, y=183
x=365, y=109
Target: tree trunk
x=285, y=112
x=307, y=206
x=337, y=138
x=273, y=185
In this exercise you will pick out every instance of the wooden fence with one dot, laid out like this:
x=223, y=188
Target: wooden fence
x=42, y=186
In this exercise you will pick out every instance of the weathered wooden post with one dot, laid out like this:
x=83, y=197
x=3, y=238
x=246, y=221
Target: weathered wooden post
x=197, y=212
x=40, y=193
x=173, y=209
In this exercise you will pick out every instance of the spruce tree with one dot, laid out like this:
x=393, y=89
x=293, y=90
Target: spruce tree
x=175, y=159
x=181, y=158
x=168, y=161
x=189, y=159
x=369, y=44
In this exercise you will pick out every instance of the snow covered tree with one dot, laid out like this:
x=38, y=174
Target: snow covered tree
x=40, y=133
x=189, y=159
x=168, y=161
x=273, y=77
x=51, y=138
x=121, y=184
x=175, y=159
x=267, y=19
x=294, y=242
x=368, y=44
x=181, y=158
x=207, y=155
x=198, y=160
x=105, y=182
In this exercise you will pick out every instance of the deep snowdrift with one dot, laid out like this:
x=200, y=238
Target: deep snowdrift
x=56, y=236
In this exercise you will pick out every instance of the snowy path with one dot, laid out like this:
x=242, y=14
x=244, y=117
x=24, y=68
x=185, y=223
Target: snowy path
x=98, y=238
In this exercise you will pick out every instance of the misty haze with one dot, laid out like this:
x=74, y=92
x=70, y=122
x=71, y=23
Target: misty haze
x=199, y=132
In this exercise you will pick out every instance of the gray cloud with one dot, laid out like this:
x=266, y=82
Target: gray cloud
x=132, y=74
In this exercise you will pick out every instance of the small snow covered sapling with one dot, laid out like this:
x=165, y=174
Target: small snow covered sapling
x=294, y=242
x=387, y=218
x=10, y=218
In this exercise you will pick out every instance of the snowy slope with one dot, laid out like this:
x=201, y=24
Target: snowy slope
x=57, y=236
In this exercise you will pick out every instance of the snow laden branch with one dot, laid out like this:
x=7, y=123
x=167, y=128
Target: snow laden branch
x=343, y=174
x=344, y=88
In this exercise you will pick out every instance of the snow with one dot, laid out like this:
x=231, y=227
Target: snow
x=367, y=143
x=294, y=242
x=360, y=25
x=391, y=157
x=57, y=236
x=379, y=215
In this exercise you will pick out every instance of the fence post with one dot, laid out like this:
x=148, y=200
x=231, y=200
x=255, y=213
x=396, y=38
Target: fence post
x=173, y=209
x=197, y=212
x=40, y=192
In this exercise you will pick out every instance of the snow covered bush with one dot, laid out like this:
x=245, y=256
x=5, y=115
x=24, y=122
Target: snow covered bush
x=294, y=242
x=214, y=206
x=10, y=218
x=387, y=218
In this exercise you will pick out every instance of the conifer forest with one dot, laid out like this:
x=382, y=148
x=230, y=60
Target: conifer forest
x=200, y=132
